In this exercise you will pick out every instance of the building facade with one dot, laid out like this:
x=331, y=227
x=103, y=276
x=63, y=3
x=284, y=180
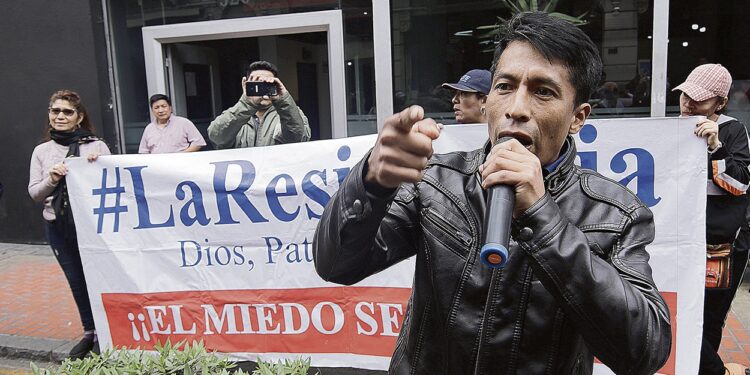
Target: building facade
x=347, y=63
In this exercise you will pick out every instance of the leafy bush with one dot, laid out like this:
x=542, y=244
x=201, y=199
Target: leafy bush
x=181, y=358
x=293, y=367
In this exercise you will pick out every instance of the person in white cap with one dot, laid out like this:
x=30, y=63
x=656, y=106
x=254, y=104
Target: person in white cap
x=705, y=93
x=470, y=96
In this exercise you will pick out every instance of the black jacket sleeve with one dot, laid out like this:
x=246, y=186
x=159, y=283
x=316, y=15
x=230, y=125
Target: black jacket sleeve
x=614, y=303
x=728, y=166
x=360, y=234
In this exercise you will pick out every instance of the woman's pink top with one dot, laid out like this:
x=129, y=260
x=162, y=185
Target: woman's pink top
x=43, y=158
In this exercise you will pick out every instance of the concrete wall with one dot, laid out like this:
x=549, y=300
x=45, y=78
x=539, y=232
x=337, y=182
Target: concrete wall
x=47, y=46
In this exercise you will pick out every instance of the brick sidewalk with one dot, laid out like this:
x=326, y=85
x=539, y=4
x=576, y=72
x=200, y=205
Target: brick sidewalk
x=37, y=304
x=37, y=301
x=735, y=344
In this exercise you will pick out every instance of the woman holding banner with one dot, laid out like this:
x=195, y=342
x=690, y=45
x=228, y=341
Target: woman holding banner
x=705, y=93
x=69, y=134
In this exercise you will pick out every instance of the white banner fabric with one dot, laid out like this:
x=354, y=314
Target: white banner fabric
x=217, y=245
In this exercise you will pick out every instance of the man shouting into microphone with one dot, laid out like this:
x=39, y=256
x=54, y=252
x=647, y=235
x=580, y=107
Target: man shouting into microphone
x=577, y=283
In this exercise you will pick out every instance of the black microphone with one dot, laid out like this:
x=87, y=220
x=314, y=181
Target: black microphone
x=500, y=203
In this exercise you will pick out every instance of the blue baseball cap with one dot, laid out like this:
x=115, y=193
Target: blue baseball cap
x=475, y=80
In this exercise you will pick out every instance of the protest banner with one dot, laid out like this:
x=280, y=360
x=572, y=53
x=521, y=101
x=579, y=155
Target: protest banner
x=217, y=245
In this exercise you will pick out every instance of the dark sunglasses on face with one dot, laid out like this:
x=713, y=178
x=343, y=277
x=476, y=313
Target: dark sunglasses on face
x=67, y=112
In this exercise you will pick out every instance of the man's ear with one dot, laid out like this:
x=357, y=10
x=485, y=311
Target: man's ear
x=580, y=114
x=484, y=99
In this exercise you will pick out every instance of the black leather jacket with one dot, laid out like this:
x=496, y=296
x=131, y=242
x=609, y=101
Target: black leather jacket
x=577, y=283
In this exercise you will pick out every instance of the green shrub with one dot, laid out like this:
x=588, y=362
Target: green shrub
x=178, y=359
x=293, y=367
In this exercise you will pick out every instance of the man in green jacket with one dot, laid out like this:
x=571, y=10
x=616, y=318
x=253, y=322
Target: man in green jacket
x=260, y=120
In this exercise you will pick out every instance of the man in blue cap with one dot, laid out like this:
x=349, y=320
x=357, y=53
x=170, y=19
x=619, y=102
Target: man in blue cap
x=469, y=96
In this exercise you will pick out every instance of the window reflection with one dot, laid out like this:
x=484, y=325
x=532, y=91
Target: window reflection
x=359, y=67
x=436, y=41
x=710, y=32
x=127, y=17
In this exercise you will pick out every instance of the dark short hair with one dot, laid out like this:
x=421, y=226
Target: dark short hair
x=156, y=97
x=262, y=65
x=556, y=39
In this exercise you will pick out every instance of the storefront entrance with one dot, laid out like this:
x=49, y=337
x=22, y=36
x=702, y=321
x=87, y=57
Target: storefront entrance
x=200, y=64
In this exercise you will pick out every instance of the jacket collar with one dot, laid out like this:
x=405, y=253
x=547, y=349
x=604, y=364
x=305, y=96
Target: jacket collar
x=554, y=180
x=270, y=110
x=724, y=118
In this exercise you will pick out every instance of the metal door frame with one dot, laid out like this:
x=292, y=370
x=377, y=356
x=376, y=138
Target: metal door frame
x=330, y=21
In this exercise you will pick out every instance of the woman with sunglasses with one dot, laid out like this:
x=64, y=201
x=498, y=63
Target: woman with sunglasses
x=69, y=134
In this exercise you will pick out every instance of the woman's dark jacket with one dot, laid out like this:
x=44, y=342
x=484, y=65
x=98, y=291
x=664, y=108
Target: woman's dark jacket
x=728, y=179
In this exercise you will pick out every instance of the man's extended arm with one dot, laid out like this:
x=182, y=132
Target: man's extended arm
x=294, y=125
x=350, y=241
x=360, y=235
x=614, y=303
x=223, y=129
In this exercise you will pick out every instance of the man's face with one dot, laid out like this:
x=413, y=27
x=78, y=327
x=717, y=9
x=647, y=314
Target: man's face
x=690, y=107
x=254, y=75
x=532, y=100
x=466, y=107
x=162, y=110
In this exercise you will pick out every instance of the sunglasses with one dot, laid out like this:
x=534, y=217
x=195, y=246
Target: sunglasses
x=67, y=112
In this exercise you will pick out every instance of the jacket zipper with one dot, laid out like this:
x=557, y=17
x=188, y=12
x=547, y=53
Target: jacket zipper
x=514, y=349
x=446, y=226
x=398, y=354
x=469, y=218
x=473, y=227
x=486, y=305
x=256, y=128
x=577, y=366
x=484, y=319
x=557, y=327
x=511, y=363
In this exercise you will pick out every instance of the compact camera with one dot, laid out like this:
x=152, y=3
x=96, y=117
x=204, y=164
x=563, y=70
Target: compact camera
x=260, y=88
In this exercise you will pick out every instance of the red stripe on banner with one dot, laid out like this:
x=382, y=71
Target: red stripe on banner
x=359, y=320
x=671, y=299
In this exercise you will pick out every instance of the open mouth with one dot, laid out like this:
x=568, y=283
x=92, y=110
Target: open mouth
x=523, y=138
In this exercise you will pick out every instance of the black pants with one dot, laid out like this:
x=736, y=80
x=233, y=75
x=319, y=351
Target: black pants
x=716, y=307
x=66, y=252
